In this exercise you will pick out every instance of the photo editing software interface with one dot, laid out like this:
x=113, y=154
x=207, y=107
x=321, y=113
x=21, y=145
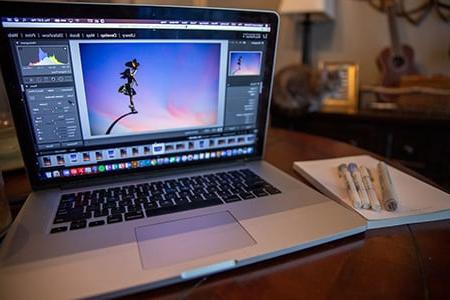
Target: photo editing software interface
x=104, y=95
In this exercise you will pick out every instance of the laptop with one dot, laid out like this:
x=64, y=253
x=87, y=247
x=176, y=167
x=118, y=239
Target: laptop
x=142, y=129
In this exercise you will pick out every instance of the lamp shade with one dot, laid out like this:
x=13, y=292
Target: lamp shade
x=318, y=9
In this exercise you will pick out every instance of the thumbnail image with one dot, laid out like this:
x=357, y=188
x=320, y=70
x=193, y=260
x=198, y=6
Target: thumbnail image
x=135, y=151
x=111, y=153
x=123, y=152
x=245, y=63
x=86, y=156
x=98, y=155
x=140, y=87
x=73, y=157
x=47, y=161
x=60, y=160
x=158, y=148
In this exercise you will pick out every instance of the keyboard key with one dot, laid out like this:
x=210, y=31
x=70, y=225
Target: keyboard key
x=66, y=205
x=209, y=196
x=114, y=198
x=62, y=212
x=231, y=198
x=185, y=193
x=181, y=201
x=79, y=224
x=61, y=219
x=58, y=229
x=67, y=197
x=246, y=196
x=101, y=213
x=92, y=208
x=157, y=197
x=140, y=200
x=110, y=205
x=87, y=215
x=97, y=223
x=195, y=198
x=260, y=193
x=125, y=202
x=183, y=207
x=134, y=208
x=117, y=210
x=169, y=196
x=134, y=215
x=111, y=200
x=271, y=190
x=114, y=218
x=165, y=203
x=79, y=216
x=150, y=205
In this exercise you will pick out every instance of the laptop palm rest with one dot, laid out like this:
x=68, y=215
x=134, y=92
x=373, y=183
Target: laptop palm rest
x=187, y=239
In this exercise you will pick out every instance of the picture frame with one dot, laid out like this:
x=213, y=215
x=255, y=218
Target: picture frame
x=345, y=98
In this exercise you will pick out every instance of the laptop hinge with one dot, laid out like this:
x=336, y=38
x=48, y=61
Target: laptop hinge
x=149, y=175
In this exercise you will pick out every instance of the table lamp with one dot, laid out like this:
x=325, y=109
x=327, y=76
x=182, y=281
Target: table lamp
x=309, y=11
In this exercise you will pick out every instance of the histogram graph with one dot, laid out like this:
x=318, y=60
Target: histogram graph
x=43, y=60
x=46, y=59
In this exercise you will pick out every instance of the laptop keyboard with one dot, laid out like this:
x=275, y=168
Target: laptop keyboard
x=130, y=202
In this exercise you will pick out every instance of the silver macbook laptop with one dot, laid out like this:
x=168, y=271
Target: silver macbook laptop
x=142, y=130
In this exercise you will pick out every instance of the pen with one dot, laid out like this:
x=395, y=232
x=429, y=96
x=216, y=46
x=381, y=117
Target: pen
x=351, y=189
x=390, y=201
x=357, y=179
x=367, y=181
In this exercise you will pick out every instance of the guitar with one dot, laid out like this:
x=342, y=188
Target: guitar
x=397, y=60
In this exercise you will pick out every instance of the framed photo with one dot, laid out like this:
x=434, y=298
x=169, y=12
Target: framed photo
x=344, y=98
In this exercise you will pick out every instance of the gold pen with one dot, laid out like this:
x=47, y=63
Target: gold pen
x=390, y=199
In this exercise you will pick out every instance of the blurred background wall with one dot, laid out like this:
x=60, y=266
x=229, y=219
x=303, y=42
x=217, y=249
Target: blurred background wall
x=358, y=34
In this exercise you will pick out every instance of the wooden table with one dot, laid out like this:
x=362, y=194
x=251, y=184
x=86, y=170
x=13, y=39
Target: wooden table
x=402, y=262
x=398, y=136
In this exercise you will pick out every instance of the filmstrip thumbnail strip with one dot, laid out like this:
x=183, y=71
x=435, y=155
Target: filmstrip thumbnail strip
x=144, y=163
x=95, y=156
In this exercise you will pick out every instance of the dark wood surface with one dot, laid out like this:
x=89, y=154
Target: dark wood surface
x=402, y=262
x=405, y=137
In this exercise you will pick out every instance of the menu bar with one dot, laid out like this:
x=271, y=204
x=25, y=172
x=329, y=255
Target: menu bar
x=14, y=22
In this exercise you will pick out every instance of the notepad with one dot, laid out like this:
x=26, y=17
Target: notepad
x=418, y=201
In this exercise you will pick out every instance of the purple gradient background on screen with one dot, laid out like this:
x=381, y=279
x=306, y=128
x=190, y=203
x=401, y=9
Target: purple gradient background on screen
x=250, y=63
x=178, y=85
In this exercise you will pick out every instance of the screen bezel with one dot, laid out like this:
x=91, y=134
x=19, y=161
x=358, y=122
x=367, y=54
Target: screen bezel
x=120, y=11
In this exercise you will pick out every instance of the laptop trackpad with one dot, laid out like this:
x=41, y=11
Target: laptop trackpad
x=177, y=241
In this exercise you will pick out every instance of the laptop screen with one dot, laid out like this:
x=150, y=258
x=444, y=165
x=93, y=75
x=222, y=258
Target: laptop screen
x=111, y=95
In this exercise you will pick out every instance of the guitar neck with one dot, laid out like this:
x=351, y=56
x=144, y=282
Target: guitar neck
x=393, y=29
